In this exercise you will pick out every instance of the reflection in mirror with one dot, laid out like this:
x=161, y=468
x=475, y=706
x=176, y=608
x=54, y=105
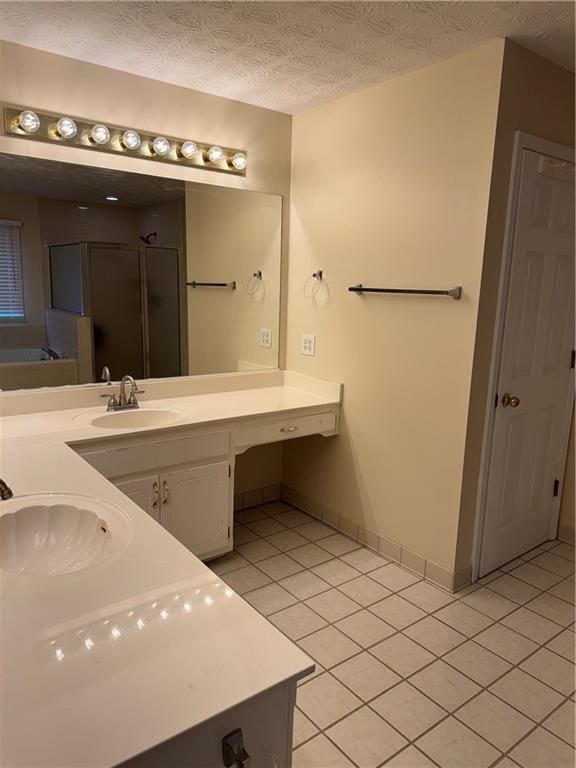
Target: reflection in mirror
x=149, y=276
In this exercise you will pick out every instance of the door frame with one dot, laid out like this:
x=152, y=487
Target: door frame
x=522, y=141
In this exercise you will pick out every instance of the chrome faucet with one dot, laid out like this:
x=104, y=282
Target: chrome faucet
x=5, y=491
x=106, y=376
x=123, y=402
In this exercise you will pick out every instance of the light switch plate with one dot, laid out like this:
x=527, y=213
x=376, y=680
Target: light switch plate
x=265, y=337
x=308, y=346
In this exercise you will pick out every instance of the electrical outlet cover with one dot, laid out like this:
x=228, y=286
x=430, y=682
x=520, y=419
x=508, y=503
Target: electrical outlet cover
x=308, y=344
x=265, y=337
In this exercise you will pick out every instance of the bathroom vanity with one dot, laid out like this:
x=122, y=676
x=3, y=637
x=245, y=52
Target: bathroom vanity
x=143, y=657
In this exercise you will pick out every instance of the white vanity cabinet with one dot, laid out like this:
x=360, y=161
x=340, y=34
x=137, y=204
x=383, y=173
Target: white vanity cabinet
x=191, y=503
x=144, y=491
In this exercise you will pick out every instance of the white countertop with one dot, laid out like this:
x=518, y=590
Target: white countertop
x=184, y=647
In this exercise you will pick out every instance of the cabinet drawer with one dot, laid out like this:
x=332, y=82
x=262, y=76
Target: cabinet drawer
x=285, y=429
x=158, y=455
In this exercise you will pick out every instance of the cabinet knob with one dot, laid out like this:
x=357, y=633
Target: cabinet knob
x=166, y=492
x=288, y=429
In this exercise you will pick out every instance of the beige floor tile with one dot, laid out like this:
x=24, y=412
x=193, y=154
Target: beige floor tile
x=243, y=535
x=543, y=750
x=318, y=670
x=245, y=516
x=304, y=584
x=314, y=531
x=506, y=643
x=325, y=700
x=452, y=745
x=463, y=618
x=364, y=560
x=506, y=763
x=511, y=565
x=408, y=710
x=552, y=608
x=410, y=758
x=365, y=676
x=332, y=605
x=563, y=644
x=551, y=669
x=490, y=603
x=564, y=550
x=531, y=625
x=364, y=590
x=265, y=527
x=434, y=635
x=275, y=507
x=304, y=729
x=398, y=612
x=558, y=565
x=490, y=577
x=279, y=567
x=270, y=599
x=561, y=722
x=320, y=753
x=286, y=540
x=498, y=723
x=526, y=694
x=426, y=597
x=366, y=738
x=297, y=621
x=394, y=578
x=230, y=562
x=535, y=576
x=514, y=589
x=329, y=646
x=310, y=555
x=564, y=590
x=478, y=663
x=445, y=685
x=257, y=550
x=365, y=628
x=293, y=518
x=246, y=579
x=339, y=544
x=336, y=572
x=402, y=655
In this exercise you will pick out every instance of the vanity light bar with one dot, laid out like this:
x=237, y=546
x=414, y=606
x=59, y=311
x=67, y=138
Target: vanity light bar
x=103, y=137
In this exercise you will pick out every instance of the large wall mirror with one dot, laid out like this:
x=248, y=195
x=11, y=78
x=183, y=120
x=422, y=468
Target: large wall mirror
x=150, y=276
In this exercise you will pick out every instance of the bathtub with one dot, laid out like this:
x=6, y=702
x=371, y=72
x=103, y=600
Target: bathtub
x=31, y=367
x=24, y=355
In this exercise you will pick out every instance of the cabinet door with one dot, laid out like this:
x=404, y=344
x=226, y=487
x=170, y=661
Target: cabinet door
x=145, y=491
x=196, y=507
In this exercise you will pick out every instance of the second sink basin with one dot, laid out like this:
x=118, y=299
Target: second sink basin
x=139, y=417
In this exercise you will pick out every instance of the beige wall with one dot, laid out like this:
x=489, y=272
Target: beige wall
x=390, y=188
x=63, y=221
x=24, y=208
x=229, y=236
x=537, y=97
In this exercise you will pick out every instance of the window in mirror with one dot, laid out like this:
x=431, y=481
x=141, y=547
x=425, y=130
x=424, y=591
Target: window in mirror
x=11, y=284
x=106, y=260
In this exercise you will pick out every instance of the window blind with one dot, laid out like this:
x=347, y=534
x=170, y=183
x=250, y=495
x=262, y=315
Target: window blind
x=11, y=285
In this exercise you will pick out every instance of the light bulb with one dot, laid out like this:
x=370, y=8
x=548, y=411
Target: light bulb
x=66, y=128
x=189, y=150
x=238, y=161
x=215, y=154
x=160, y=146
x=27, y=121
x=99, y=134
x=131, y=140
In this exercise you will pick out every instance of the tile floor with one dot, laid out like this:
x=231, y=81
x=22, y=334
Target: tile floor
x=407, y=675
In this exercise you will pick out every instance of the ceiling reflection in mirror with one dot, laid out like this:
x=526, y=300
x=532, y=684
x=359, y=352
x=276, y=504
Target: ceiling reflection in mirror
x=153, y=277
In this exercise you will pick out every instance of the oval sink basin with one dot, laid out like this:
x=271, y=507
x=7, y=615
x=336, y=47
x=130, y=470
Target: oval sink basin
x=139, y=417
x=56, y=534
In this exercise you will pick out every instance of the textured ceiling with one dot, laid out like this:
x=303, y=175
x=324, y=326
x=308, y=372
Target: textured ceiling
x=283, y=55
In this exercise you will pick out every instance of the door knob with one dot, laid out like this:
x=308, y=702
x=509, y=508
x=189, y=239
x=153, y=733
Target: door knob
x=511, y=400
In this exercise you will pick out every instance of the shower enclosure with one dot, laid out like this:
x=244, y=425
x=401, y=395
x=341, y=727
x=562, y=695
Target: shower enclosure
x=134, y=298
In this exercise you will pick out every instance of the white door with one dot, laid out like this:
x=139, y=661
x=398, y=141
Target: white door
x=145, y=491
x=197, y=507
x=536, y=382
